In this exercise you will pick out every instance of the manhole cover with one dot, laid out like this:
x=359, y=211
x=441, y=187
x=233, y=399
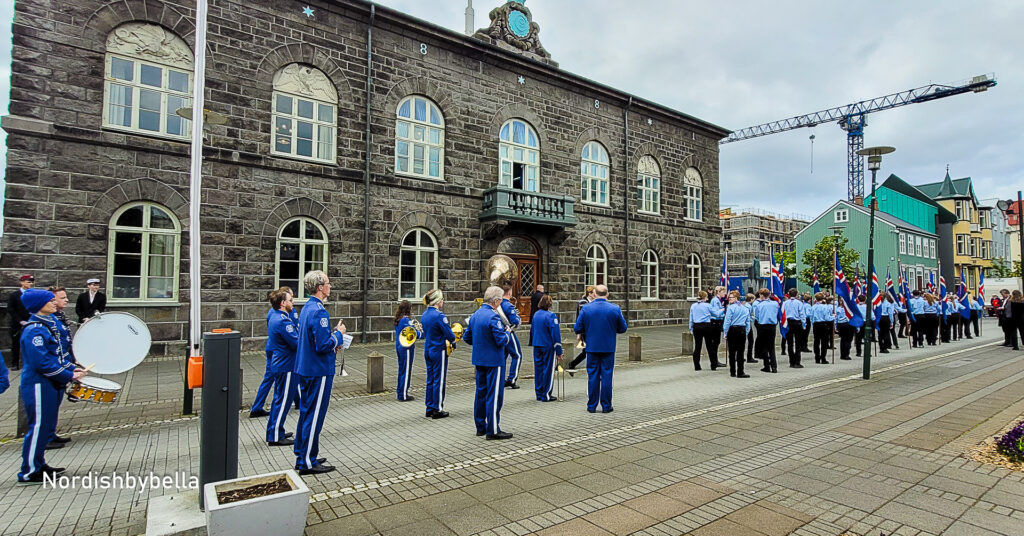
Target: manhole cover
x=958, y=363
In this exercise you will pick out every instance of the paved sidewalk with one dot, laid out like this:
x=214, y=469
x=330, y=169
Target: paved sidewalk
x=813, y=451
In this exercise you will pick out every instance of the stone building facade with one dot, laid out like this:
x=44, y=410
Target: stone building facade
x=98, y=165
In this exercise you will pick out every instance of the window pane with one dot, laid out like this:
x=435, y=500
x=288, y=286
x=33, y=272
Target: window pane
x=289, y=270
x=131, y=217
x=120, y=112
x=325, y=113
x=127, y=264
x=291, y=230
x=404, y=110
x=149, y=110
x=313, y=232
x=402, y=148
x=305, y=109
x=175, y=124
x=161, y=287
x=426, y=241
x=126, y=287
x=122, y=69
x=151, y=76
x=177, y=81
x=410, y=239
x=160, y=266
x=289, y=251
x=283, y=138
x=531, y=140
x=284, y=104
x=161, y=244
x=325, y=142
x=421, y=110
x=403, y=163
x=518, y=132
x=402, y=129
x=435, y=116
x=304, y=143
x=314, y=253
x=159, y=219
x=127, y=243
x=435, y=136
x=419, y=133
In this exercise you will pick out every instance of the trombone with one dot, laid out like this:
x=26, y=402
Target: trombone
x=407, y=337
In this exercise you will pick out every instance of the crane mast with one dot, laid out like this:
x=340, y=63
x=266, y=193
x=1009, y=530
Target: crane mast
x=853, y=118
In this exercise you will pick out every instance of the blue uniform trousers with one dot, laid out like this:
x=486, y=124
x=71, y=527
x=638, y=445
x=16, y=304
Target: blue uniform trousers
x=515, y=351
x=543, y=372
x=599, y=381
x=490, y=394
x=264, y=389
x=437, y=380
x=41, y=402
x=315, y=393
x=405, y=359
x=286, y=390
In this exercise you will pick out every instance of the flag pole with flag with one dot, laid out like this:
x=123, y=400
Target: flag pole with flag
x=981, y=300
x=817, y=286
x=723, y=279
x=777, y=294
x=845, y=298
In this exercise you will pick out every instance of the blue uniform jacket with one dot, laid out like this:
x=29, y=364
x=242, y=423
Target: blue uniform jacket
x=700, y=313
x=403, y=323
x=314, y=354
x=486, y=334
x=436, y=331
x=930, y=308
x=5, y=380
x=794, y=309
x=545, y=332
x=717, y=309
x=600, y=321
x=41, y=353
x=64, y=339
x=766, y=312
x=917, y=306
x=736, y=315
x=282, y=341
x=822, y=313
x=511, y=313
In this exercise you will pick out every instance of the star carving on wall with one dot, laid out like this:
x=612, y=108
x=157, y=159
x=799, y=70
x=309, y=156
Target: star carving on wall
x=522, y=80
x=307, y=11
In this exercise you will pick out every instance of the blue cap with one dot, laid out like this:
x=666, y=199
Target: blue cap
x=35, y=298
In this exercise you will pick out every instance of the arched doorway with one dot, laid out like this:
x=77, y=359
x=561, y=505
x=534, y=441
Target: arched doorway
x=526, y=253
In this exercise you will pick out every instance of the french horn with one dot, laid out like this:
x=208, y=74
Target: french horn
x=457, y=329
x=407, y=337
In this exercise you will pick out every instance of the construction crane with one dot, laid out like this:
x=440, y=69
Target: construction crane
x=852, y=118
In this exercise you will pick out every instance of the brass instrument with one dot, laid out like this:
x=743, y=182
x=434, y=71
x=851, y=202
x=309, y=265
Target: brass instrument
x=457, y=329
x=407, y=337
x=580, y=345
x=501, y=269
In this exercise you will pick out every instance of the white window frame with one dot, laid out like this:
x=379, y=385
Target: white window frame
x=315, y=89
x=841, y=215
x=649, y=275
x=136, y=87
x=961, y=244
x=147, y=231
x=419, y=285
x=512, y=153
x=419, y=135
x=693, y=195
x=648, y=180
x=597, y=265
x=931, y=247
x=299, y=292
x=595, y=168
x=903, y=244
x=693, y=277
x=917, y=246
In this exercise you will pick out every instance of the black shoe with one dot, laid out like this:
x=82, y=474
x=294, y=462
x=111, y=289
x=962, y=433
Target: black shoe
x=751, y=361
x=288, y=435
x=431, y=413
x=508, y=383
x=609, y=410
x=500, y=435
x=591, y=410
x=439, y=415
x=52, y=470
x=571, y=371
x=796, y=366
x=883, y=351
x=59, y=439
x=258, y=413
x=696, y=368
x=52, y=445
x=765, y=370
x=551, y=399
x=408, y=398
x=743, y=375
x=480, y=433
x=845, y=358
x=732, y=374
x=513, y=385
x=281, y=443
x=774, y=371
x=317, y=469
x=34, y=478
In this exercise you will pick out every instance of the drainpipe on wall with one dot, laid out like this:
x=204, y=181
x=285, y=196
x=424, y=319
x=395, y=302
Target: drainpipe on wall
x=625, y=197
x=366, y=175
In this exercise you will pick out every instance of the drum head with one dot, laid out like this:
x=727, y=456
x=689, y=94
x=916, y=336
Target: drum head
x=100, y=383
x=115, y=342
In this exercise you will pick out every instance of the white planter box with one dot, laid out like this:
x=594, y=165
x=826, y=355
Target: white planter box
x=281, y=514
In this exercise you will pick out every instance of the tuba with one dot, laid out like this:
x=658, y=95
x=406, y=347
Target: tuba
x=501, y=269
x=457, y=329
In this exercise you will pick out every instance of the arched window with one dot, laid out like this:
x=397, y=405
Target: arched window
x=301, y=248
x=594, y=170
x=142, y=253
x=649, y=274
x=648, y=177
x=597, y=265
x=305, y=114
x=417, y=264
x=693, y=188
x=693, y=277
x=519, y=151
x=147, y=78
x=419, y=138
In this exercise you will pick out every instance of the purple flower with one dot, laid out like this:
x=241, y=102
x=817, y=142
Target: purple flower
x=1011, y=444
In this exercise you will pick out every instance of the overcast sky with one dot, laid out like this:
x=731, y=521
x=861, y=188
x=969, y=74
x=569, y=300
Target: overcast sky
x=742, y=63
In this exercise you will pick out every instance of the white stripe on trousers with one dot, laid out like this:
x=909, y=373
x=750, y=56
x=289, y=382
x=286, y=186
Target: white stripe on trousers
x=519, y=351
x=551, y=377
x=408, y=372
x=444, y=380
x=285, y=404
x=316, y=416
x=38, y=390
x=499, y=382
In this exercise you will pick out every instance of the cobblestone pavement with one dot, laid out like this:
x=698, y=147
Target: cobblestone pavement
x=814, y=451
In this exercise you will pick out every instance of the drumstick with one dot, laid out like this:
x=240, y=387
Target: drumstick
x=87, y=369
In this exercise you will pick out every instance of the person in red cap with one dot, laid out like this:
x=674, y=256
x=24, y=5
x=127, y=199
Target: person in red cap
x=17, y=315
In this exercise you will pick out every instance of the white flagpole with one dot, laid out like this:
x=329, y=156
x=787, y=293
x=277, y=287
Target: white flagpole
x=196, y=179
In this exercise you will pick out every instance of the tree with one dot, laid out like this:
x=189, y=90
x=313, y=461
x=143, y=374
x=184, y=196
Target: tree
x=1000, y=269
x=788, y=259
x=820, y=257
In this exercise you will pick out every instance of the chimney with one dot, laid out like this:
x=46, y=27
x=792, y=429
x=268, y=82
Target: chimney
x=858, y=200
x=470, y=18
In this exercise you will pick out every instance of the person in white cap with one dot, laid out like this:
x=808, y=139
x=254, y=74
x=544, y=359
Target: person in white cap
x=91, y=301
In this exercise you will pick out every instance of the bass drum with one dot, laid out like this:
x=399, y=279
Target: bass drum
x=114, y=342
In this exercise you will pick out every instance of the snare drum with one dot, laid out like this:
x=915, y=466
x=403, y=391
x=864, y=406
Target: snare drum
x=99, y=390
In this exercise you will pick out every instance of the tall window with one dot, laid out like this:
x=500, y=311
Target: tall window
x=648, y=178
x=597, y=265
x=903, y=243
x=417, y=264
x=301, y=248
x=961, y=244
x=519, y=152
x=917, y=246
x=649, y=274
x=931, y=248
x=594, y=170
x=693, y=277
x=693, y=188
x=419, y=138
x=305, y=114
x=142, y=258
x=147, y=78
x=959, y=207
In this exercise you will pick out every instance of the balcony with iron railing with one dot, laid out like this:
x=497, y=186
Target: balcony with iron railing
x=504, y=203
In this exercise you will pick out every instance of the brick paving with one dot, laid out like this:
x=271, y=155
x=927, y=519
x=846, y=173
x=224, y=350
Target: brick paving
x=807, y=452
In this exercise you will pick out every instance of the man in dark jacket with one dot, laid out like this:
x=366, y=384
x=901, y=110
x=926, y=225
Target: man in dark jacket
x=91, y=301
x=17, y=317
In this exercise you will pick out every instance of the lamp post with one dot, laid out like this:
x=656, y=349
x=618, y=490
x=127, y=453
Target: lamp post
x=874, y=155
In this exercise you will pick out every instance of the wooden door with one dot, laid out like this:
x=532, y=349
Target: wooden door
x=523, y=287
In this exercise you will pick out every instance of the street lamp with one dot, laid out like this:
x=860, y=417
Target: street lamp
x=874, y=155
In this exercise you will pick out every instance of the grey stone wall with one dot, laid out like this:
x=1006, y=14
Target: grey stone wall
x=66, y=174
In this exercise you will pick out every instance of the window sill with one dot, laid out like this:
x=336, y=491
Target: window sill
x=694, y=220
x=304, y=159
x=144, y=303
x=595, y=204
x=646, y=213
x=146, y=133
x=650, y=299
x=408, y=175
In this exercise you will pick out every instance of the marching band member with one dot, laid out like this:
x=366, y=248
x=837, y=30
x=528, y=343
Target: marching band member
x=822, y=318
x=749, y=306
x=701, y=326
x=793, y=308
x=405, y=355
x=514, y=350
x=283, y=340
x=547, y=339
x=766, y=313
x=489, y=337
x=588, y=296
x=599, y=322
x=63, y=335
x=256, y=410
x=315, y=361
x=736, y=325
x=436, y=332
x=43, y=377
x=5, y=380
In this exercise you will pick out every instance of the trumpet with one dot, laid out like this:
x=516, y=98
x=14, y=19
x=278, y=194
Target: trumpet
x=457, y=329
x=407, y=337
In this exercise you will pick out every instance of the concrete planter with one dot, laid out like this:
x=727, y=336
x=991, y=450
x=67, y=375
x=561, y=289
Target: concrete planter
x=280, y=514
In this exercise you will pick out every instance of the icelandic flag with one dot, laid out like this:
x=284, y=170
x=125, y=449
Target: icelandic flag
x=905, y=289
x=724, y=278
x=876, y=297
x=777, y=294
x=931, y=284
x=817, y=287
x=942, y=296
x=846, y=300
x=961, y=290
x=857, y=288
x=889, y=288
x=981, y=289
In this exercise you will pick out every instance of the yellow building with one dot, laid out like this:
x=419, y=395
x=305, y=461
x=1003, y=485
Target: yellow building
x=972, y=233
